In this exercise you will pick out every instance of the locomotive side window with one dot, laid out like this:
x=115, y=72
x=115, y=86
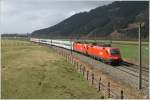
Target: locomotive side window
x=114, y=52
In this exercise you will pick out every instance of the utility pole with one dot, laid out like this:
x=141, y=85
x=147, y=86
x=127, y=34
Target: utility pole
x=140, y=58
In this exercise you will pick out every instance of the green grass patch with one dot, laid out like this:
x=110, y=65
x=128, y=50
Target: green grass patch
x=33, y=71
x=131, y=52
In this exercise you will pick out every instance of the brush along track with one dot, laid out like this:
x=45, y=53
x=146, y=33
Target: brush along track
x=123, y=73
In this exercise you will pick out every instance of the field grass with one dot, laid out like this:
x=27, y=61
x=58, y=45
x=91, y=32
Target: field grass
x=130, y=52
x=33, y=71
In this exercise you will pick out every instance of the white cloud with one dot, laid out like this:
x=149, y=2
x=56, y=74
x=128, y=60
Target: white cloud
x=23, y=16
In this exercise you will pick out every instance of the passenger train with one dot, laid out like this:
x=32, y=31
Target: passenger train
x=110, y=55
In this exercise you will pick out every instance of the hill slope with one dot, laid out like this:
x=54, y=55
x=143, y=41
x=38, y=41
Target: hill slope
x=117, y=20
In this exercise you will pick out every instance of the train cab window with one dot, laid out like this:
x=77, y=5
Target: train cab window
x=114, y=52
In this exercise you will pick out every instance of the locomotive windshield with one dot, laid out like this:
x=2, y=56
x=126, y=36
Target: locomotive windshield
x=114, y=52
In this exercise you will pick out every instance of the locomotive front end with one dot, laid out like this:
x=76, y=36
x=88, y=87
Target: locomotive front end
x=114, y=56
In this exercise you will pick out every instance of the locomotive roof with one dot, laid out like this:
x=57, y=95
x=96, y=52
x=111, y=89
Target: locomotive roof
x=105, y=47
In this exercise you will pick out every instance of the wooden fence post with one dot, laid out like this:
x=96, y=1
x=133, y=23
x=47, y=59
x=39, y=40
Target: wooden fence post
x=92, y=79
x=99, y=84
x=80, y=67
x=83, y=70
x=73, y=61
x=77, y=65
x=102, y=97
x=67, y=58
x=70, y=60
x=87, y=75
x=108, y=90
x=64, y=54
x=121, y=94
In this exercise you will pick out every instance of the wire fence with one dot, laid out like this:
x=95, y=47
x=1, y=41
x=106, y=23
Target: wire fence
x=91, y=76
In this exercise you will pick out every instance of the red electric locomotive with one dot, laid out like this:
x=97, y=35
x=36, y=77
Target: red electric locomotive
x=80, y=47
x=109, y=55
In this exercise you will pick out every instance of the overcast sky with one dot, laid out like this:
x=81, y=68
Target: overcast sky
x=22, y=16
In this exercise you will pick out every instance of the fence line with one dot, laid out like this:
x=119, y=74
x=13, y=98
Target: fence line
x=89, y=75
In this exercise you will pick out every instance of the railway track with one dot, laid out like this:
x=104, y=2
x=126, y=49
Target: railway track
x=126, y=73
x=127, y=64
x=134, y=70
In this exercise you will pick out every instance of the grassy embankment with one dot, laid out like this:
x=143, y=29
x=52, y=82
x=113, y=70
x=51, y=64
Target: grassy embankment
x=33, y=71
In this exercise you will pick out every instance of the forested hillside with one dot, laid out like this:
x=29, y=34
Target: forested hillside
x=117, y=20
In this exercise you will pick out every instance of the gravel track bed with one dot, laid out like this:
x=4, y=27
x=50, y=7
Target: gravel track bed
x=135, y=71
